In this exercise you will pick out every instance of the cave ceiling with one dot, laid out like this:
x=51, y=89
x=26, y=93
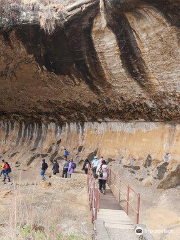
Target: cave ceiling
x=110, y=60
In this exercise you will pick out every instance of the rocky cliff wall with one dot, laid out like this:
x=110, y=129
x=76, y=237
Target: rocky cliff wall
x=28, y=143
x=90, y=60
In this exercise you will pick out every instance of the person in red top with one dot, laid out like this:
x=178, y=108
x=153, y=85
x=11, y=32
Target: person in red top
x=6, y=172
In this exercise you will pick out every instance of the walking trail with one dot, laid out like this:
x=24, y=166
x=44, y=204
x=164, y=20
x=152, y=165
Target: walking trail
x=112, y=222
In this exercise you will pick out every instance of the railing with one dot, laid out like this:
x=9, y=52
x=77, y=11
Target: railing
x=117, y=182
x=94, y=196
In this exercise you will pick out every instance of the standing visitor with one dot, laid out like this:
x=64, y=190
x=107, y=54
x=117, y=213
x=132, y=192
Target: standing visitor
x=65, y=169
x=102, y=172
x=3, y=164
x=86, y=166
x=55, y=167
x=72, y=166
x=66, y=153
x=101, y=160
x=95, y=164
x=148, y=160
x=43, y=169
x=167, y=157
x=6, y=172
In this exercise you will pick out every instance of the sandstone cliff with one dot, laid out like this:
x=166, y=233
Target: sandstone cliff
x=90, y=60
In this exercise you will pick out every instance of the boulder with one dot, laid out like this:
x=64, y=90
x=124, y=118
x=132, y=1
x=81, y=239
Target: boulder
x=132, y=167
x=160, y=171
x=45, y=184
x=172, y=180
x=147, y=182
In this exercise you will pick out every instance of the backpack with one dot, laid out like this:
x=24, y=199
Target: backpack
x=66, y=153
x=87, y=166
x=73, y=165
x=8, y=168
x=100, y=172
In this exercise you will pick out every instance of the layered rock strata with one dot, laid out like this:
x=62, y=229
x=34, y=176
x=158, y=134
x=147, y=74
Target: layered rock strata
x=90, y=61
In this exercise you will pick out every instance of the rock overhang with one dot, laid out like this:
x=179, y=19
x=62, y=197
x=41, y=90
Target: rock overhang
x=104, y=60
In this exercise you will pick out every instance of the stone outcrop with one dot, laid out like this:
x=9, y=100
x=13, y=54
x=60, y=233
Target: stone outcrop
x=172, y=180
x=90, y=60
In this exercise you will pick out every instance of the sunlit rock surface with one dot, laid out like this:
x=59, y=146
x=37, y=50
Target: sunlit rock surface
x=28, y=143
x=90, y=60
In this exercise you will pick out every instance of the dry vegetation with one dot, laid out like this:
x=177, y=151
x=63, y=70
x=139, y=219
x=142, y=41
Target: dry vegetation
x=53, y=210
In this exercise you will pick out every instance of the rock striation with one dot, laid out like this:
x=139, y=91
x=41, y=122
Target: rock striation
x=90, y=60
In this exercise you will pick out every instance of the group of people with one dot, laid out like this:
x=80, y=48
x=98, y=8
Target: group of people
x=68, y=167
x=98, y=166
x=5, y=170
x=100, y=171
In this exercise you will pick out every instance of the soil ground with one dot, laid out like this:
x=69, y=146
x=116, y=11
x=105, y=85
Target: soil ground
x=54, y=209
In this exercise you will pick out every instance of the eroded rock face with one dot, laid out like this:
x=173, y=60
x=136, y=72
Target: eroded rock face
x=172, y=180
x=107, y=60
x=28, y=143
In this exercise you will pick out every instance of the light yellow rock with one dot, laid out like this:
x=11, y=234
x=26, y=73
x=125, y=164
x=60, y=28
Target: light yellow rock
x=147, y=182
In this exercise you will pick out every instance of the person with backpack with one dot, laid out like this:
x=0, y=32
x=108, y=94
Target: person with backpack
x=72, y=166
x=55, y=167
x=3, y=164
x=43, y=169
x=6, y=172
x=66, y=153
x=102, y=172
x=65, y=169
x=95, y=164
x=86, y=166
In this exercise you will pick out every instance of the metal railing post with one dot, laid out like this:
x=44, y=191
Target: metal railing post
x=138, y=208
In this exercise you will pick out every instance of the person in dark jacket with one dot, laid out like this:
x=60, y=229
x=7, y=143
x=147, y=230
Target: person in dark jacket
x=86, y=166
x=55, y=167
x=6, y=172
x=65, y=169
x=43, y=169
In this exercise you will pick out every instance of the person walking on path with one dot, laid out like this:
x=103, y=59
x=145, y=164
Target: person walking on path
x=102, y=172
x=6, y=172
x=72, y=166
x=66, y=153
x=55, y=167
x=86, y=166
x=95, y=164
x=43, y=169
x=100, y=160
x=65, y=169
x=3, y=164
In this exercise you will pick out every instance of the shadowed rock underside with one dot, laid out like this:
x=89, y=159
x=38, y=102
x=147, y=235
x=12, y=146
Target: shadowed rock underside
x=90, y=61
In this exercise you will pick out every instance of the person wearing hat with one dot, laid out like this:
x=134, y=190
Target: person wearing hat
x=95, y=164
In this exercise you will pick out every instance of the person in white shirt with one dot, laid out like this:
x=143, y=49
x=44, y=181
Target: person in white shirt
x=102, y=172
x=95, y=164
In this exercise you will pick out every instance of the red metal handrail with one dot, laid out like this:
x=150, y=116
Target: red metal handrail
x=127, y=197
x=94, y=196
